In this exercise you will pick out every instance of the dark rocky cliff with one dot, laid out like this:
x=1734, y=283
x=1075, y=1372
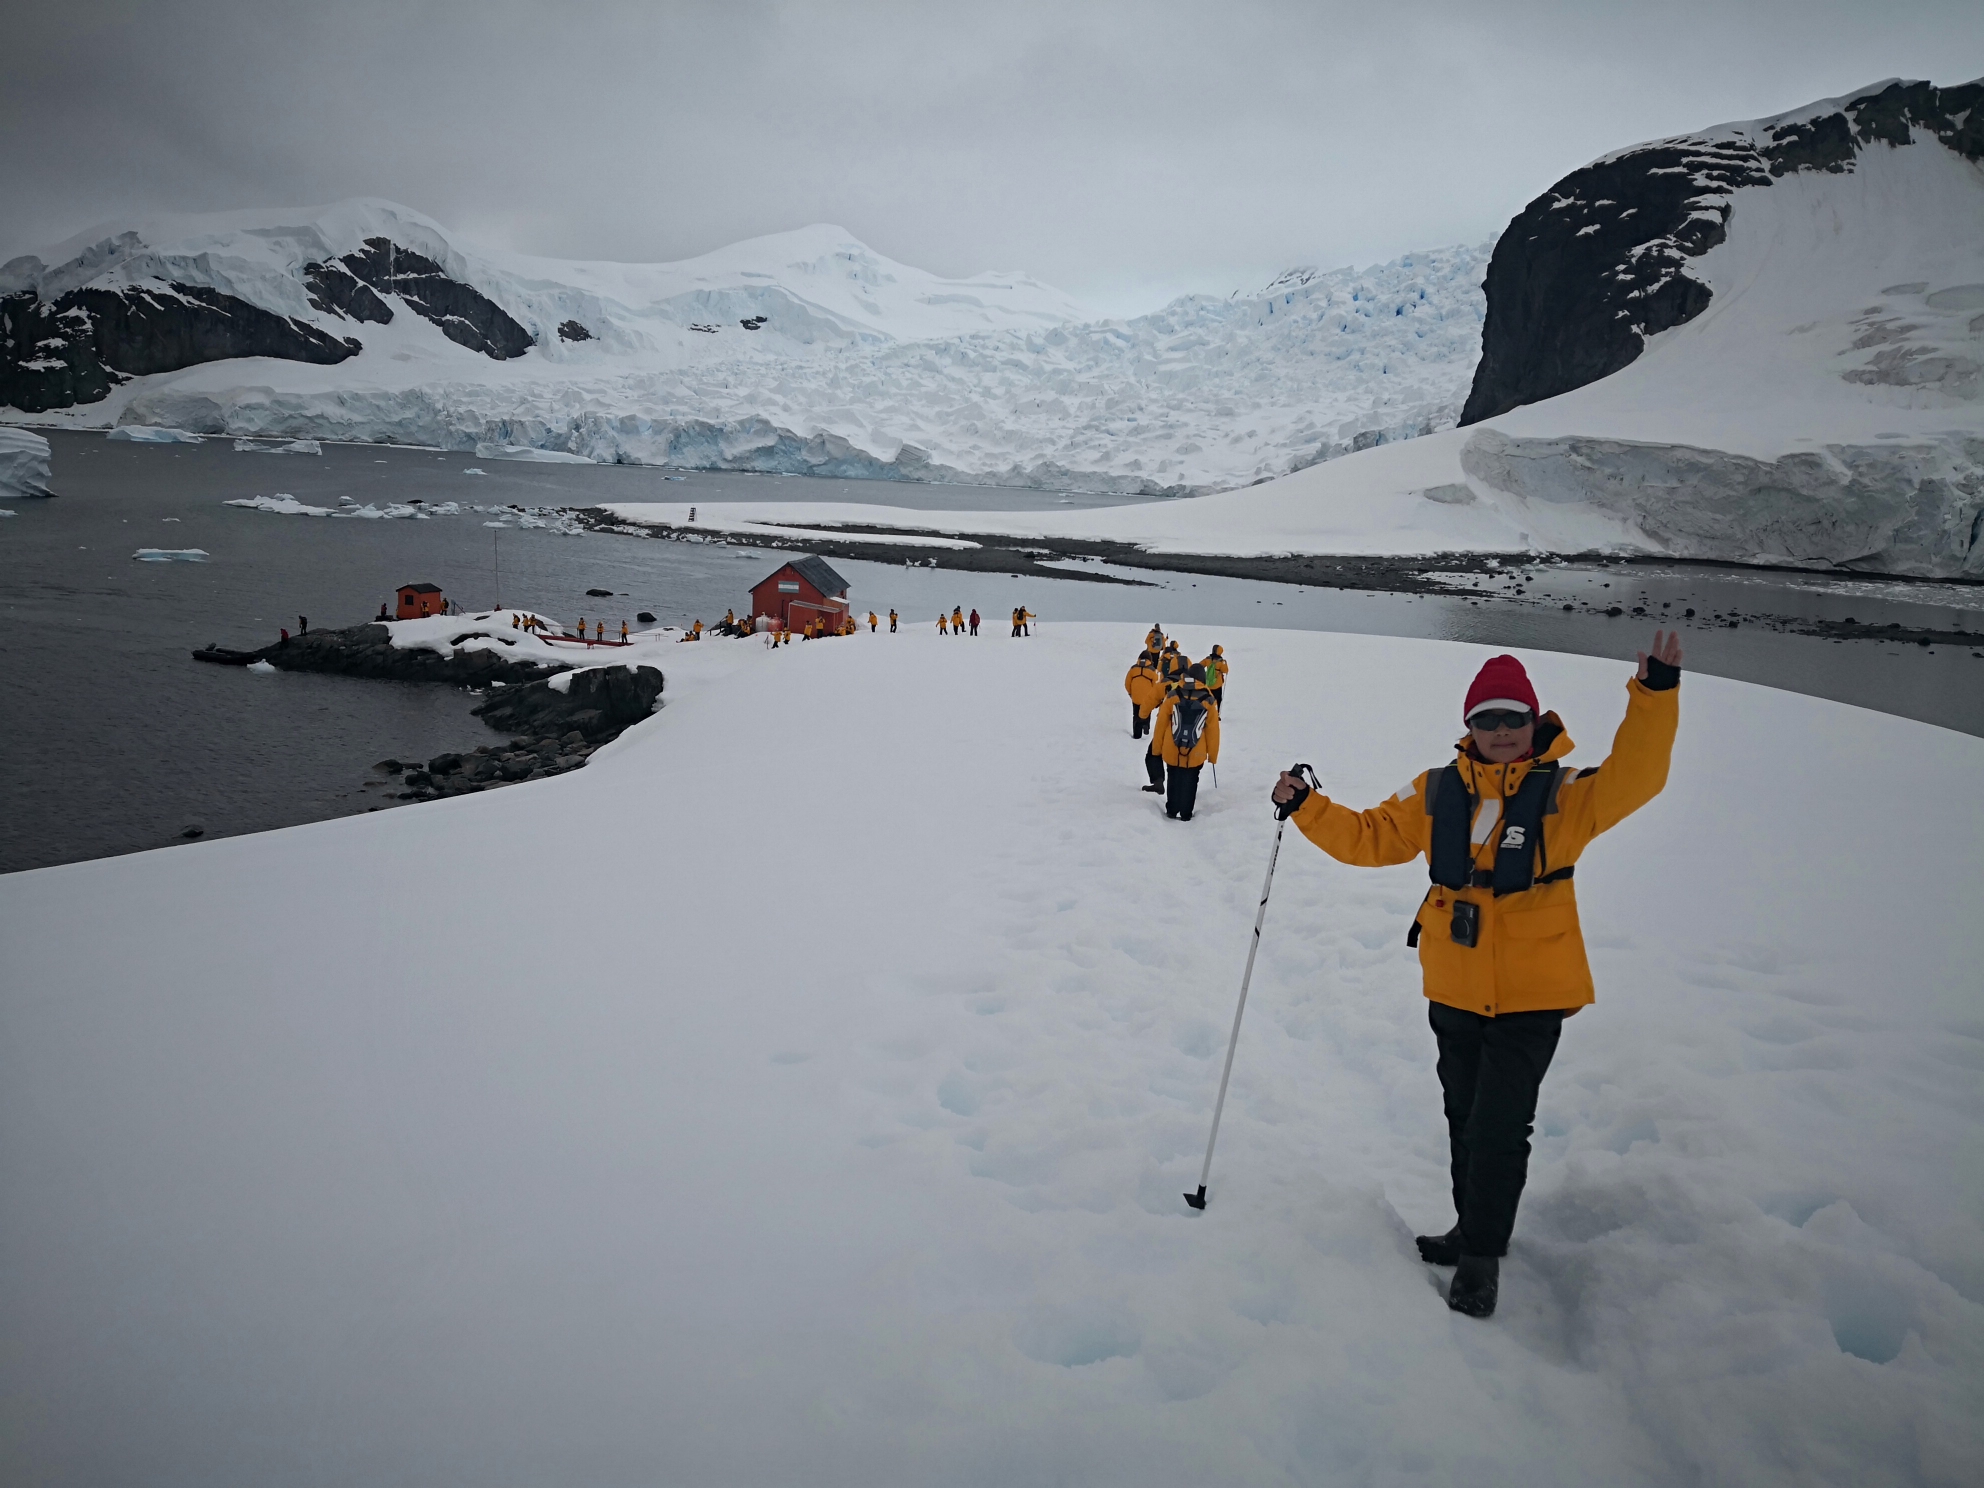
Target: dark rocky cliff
x=1598, y=263
x=76, y=348
x=465, y=315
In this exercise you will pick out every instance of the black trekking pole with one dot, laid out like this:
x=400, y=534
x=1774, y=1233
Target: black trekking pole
x=1281, y=815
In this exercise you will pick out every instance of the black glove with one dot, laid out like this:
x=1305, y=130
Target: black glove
x=1283, y=810
x=1660, y=677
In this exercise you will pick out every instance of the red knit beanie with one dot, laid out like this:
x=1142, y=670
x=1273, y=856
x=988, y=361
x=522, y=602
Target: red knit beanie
x=1500, y=683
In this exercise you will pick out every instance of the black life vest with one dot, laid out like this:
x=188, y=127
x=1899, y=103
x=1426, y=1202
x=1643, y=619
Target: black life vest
x=1520, y=859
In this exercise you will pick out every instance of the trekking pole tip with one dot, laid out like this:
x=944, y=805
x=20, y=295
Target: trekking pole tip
x=1197, y=1200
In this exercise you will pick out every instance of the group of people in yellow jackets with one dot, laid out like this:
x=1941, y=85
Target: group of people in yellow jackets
x=598, y=629
x=1176, y=701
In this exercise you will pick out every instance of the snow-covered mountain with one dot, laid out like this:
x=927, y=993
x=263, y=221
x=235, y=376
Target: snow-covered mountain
x=1812, y=394
x=805, y=351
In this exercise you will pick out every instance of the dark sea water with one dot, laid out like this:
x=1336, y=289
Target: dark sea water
x=121, y=741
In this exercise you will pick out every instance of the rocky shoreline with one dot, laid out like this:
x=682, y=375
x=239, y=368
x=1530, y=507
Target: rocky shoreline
x=487, y=767
x=1427, y=573
x=559, y=715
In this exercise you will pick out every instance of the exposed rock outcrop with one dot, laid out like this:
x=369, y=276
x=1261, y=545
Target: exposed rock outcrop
x=75, y=349
x=598, y=702
x=464, y=314
x=1598, y=263
x=368, y=651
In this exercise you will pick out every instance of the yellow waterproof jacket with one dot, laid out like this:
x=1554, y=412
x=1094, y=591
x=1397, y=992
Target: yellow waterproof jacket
x=1206, y=751
x=1529, y=953
x=1217, y=670
x=1145, y=687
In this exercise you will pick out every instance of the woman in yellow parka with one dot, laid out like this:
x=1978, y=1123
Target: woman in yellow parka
x=1146, y=689
x=1503, y=961
x=1185, y=737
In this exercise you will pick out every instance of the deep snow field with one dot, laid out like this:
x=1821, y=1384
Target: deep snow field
x=803, y=1092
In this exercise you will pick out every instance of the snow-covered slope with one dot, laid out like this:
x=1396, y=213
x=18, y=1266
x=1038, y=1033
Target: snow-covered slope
x=762, y=1105
x=805, y=351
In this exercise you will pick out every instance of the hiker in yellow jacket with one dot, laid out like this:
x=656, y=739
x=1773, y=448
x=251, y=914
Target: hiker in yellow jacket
x=1185, y=739
x=1146, y=690
x=1217, y=667
x=1500, y=951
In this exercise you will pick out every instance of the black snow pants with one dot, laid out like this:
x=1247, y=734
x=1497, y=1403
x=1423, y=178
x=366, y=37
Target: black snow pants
x=1181, y=789
x=1490, y=1072
x=1138, y=722
x=1154, y=767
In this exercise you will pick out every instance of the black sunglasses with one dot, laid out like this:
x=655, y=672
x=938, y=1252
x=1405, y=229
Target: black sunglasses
x=1488, y=720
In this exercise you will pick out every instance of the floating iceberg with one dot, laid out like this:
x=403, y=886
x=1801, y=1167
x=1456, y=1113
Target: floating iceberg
x=528, y=452
x=151, y=434
x=280, y=505
x=171, y=555
x=24, y=468
x=292, y=447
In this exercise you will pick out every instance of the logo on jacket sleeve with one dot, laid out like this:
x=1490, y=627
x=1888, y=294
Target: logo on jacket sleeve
x=1513, y=837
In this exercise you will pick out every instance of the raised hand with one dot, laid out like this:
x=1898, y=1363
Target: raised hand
x=1666, y=650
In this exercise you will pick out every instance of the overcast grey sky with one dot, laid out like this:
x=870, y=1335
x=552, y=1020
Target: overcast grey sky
x=1124, y=152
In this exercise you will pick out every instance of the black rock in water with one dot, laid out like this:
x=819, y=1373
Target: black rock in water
x=1598, y=263
x=368, y=651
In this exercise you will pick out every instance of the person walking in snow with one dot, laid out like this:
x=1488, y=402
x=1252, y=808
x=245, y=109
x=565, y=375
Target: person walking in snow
x=943, y=623
x=1216, y=670
x=1502, y=959
x=1186, y=733
x=892, y=622
x=1016, y=621
x=1146, y=689
x=1026, y=615
x=872, y=622
x=974, y=622
x=957, y=620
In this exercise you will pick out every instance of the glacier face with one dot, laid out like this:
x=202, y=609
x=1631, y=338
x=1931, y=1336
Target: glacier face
x=1909, y=506
x=24, y=467
x=802, y=352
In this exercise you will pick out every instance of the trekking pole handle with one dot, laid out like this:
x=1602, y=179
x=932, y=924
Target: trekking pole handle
x=1286, y=810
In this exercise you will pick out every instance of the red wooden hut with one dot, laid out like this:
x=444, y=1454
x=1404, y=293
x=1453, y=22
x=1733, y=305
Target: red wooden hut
x=801, y=590
x=417, y=600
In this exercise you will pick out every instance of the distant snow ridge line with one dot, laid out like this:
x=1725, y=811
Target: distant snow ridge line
x=1600, y=262
x=1207, y=393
